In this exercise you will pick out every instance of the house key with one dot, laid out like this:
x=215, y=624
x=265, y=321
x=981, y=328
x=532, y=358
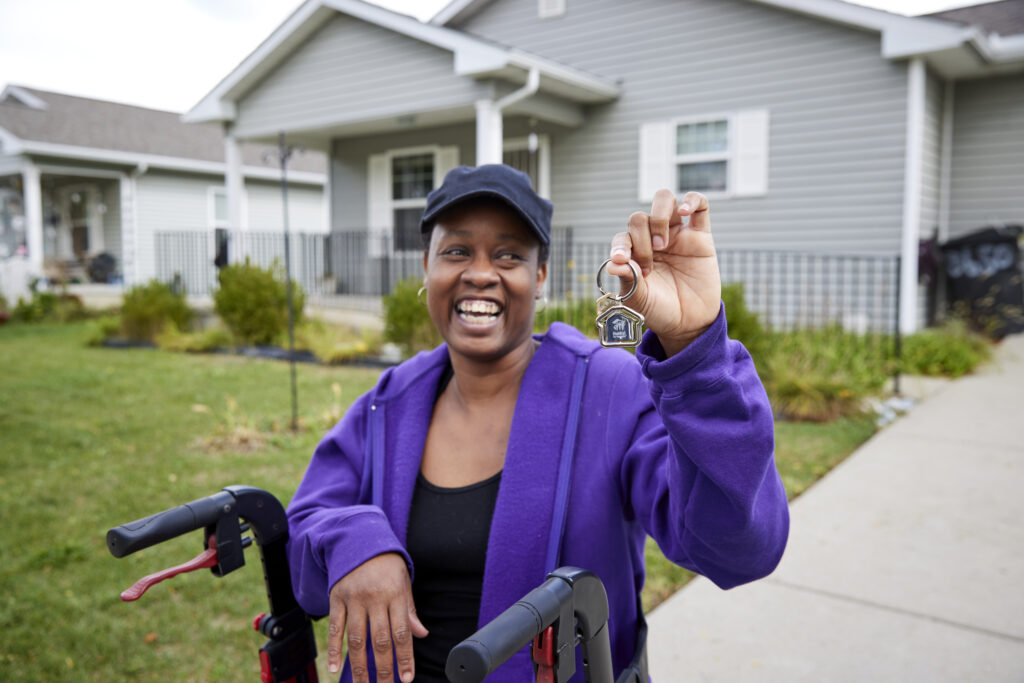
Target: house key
x=618, y=324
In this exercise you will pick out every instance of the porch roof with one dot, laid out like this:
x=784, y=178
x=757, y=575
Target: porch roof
x=473, y=58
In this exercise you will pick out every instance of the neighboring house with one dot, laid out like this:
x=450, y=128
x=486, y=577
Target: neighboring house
x=813, y=125
x=81, y=177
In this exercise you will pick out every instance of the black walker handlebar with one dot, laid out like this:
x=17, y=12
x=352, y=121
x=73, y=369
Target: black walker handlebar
x=570, y=608
x=290, y=652
x=573, y=601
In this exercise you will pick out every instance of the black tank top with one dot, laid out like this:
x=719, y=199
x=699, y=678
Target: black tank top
x=447, y=541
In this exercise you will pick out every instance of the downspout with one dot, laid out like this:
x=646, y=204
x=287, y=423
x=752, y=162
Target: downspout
x=912, y=183
x=489, y=128
x=531, y=88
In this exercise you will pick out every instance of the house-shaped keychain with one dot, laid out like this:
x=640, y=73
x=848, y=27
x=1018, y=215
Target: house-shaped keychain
x=619, y=325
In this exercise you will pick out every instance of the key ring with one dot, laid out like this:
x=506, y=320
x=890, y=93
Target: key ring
x=620, y=297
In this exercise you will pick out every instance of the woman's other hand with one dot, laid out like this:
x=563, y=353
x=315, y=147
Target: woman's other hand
x=373, y=602
x=680, y=289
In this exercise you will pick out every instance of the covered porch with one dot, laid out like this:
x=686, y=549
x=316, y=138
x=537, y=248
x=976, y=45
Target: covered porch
x=60, y=224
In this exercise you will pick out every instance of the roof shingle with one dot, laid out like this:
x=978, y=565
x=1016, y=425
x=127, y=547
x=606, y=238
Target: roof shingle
x=98, y=124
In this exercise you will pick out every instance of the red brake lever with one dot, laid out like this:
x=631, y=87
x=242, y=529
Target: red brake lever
x=543, y=652
x=205, y=559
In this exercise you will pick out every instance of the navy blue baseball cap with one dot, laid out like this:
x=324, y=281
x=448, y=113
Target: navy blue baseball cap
x=491, y=180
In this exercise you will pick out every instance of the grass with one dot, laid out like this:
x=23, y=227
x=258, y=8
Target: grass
x=804, y=452
x=96, y=437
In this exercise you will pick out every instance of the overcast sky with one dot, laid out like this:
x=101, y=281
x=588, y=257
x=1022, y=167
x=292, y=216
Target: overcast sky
x=168, y=54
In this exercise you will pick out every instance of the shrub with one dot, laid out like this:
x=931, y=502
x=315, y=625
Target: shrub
x=150, y=308
x=819, y=375
x=253, y=302
x=745, y=325
x=580, y=313
x=172, y=339
x=334, y=345
x=49, y=307
x=103, y=328
x=406, y=319
x=949, y=351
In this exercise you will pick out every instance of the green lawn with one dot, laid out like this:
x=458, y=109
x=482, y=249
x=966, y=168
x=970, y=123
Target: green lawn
x=95, y=437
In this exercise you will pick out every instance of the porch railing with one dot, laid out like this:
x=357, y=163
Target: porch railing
x=788, y=289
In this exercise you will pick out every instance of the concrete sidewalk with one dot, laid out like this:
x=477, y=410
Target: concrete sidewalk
x=905, y=563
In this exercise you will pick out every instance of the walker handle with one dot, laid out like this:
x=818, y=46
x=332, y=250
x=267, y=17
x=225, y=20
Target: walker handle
x=142, y=533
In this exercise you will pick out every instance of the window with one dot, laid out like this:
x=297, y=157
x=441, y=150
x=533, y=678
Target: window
x=218, y=207
x=724, y=155
x=702, y=156
x=412, y=179
x=398, y=182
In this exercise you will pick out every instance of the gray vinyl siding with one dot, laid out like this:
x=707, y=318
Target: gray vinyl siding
x=931, y=167
x=988, y=154
x=837, y=114
x=354, y=71
x=305, y=208
x=168, y=202
x=349, y=159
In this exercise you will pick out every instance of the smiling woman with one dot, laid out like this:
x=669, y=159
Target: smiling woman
x=471, y=471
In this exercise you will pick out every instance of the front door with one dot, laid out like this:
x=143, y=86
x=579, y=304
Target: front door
x=81, y=231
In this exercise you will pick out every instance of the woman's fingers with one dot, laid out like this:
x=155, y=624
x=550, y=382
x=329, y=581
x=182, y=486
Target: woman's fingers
x=380, y=641
x=640, y=239
x=335, y=633
x=356, y=628
x=664, y=215
x=695, y=205
x=401, y=635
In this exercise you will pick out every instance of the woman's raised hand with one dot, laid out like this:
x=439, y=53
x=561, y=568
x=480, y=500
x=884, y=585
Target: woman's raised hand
x=680, y=288
x=373, y=603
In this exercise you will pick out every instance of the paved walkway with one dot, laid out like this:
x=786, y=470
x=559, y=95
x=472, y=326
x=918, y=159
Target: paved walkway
x=905, y=563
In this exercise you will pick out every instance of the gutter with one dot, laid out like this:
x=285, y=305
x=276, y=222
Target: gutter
x=531, y=88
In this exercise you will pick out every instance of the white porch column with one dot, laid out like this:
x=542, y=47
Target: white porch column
x=912, y=181
x=234, y=182
x=488, y=133
x=33, y=198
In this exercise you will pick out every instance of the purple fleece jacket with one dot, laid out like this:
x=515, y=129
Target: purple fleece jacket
x=681, y=449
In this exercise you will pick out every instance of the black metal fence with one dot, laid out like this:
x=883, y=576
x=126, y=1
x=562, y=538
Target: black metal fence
x=788, y=289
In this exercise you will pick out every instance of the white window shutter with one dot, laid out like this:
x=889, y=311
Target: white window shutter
x=378, y=203
x=655, y=159
x=447, y=158
x=750, y=153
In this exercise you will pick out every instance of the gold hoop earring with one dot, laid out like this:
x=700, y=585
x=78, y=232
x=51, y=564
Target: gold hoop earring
x=420, y=295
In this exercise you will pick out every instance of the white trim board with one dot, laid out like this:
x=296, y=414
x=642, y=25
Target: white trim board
x=164, y=162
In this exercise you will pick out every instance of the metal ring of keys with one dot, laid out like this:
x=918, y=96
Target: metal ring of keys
x=618, y=324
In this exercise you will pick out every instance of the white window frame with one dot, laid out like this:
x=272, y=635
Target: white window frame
x=747, y=167
x=380, y=218
x=419, y=203
x=728, y=156
x=544, y=167
x=211, y=208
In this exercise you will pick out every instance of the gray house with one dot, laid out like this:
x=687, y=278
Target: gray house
x=82, y=177
x=814, y=126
